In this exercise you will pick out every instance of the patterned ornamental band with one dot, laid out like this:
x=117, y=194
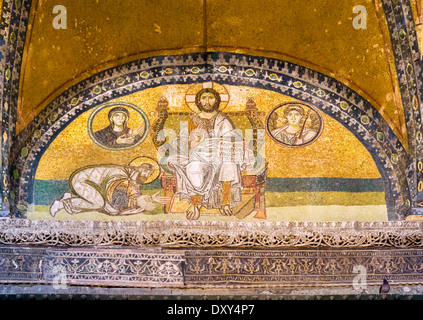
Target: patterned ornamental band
x=301, y=268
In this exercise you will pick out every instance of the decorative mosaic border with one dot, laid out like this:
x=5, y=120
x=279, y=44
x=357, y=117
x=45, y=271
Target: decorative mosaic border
x=399, y=234
x=242, y=268
x=13, y=27
x=321, y=91
x=405, y=46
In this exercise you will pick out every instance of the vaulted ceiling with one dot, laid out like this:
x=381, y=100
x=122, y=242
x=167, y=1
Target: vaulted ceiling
x=317, y=34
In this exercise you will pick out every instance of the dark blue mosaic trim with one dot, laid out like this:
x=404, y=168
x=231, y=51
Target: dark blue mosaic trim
x=408, y=67
x=13, y=26
x=327, y=94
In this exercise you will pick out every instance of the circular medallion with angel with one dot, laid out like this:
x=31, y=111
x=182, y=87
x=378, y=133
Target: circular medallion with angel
x=294, y=124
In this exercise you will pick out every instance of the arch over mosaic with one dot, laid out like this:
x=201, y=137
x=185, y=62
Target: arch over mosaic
x=398, y=14
x=402, y=31
x=230, y=70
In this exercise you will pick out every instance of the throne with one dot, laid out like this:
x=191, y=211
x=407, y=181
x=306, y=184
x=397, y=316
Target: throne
x=253, y=182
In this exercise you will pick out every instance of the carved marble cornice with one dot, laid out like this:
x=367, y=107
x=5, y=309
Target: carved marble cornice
x=397, y=234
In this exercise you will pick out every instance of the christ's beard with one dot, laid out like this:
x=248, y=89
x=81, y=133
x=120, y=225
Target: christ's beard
x=208, y=108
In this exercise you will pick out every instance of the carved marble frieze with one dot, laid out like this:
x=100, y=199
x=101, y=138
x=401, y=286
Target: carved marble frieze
x=397, y=234
x=64, y=267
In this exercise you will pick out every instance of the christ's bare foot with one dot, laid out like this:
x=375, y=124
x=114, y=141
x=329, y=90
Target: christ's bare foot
x=193, y=212
x=226, y=211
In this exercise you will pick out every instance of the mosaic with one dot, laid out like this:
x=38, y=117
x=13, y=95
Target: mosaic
x=63, y=126
x=399, y=17
x=111, y=126
x=398, y=171
x=209, y=151
x=110, y=189
x=294, y=125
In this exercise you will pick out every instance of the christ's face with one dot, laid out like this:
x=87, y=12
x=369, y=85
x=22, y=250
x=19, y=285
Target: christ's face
x=119, y=118
x=207, y=100
x=293, y=117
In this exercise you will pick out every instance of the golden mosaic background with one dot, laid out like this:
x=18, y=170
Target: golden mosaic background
x=317, y=34
x=73, y=148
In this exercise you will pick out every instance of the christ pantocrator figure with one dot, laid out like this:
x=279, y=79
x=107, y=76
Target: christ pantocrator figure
x=208, y=173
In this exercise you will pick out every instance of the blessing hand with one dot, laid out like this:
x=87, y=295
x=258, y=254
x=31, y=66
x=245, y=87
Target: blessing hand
x=125, y=140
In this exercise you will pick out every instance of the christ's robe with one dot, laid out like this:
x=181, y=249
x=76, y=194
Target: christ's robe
x=212, y=163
